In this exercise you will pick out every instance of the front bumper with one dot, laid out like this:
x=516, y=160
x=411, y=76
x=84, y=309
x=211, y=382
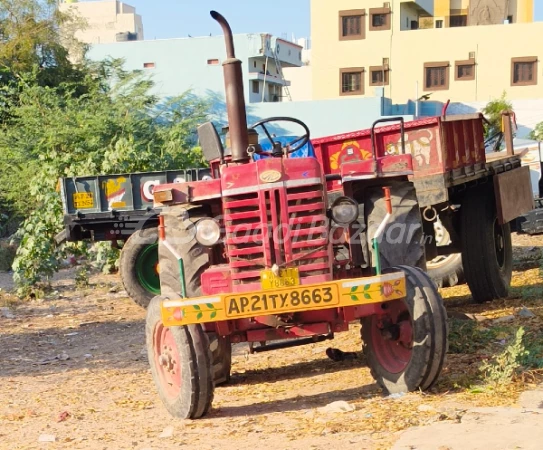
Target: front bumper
x=333, y=294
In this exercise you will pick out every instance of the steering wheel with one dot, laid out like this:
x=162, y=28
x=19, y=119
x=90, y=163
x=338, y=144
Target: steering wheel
x=277, y=149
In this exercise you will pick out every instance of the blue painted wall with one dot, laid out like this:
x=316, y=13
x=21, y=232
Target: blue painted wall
x=180, y=64
x=325, y=117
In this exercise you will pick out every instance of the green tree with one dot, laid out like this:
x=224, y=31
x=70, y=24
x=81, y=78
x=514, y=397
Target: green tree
x=117, y=126
x=493, y=113
x=537, y=132
x=32, y=34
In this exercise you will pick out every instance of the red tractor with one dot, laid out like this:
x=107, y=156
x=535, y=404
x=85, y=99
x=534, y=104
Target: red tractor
x=265, y=252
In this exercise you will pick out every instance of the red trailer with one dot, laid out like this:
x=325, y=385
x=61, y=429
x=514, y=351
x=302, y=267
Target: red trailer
x=455, y=182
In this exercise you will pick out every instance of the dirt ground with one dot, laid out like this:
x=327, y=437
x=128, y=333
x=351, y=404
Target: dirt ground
x=74, y=375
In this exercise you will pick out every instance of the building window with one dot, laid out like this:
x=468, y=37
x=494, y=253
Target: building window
x=524, y=71
x=379, y=76
x=439, y=23
x=149, y=65
x=352, y=81
x=379, y=19
x=458, y=21
x=255, y=85
x=464, y=70
x=212, y=62
x=436, y=76
x=351, y=24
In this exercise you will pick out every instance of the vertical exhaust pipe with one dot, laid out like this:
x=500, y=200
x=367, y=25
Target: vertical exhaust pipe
x=235, y=100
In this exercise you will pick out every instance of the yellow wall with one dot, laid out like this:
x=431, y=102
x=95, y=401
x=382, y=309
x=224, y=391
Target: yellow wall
x=442, y=8
x=525, y=11
x=494, y=46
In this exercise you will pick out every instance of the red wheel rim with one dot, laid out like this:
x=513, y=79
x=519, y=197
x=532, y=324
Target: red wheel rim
x=167, y=360
x=392, y=337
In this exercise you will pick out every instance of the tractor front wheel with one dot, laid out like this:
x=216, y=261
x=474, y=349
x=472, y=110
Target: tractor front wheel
x=406, y=347
x=180, y=361
x=221, y=357
x=196, y=261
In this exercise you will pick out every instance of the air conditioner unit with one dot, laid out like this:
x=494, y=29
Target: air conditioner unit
x=471, y=55
x=386, y=5
x=386, y=61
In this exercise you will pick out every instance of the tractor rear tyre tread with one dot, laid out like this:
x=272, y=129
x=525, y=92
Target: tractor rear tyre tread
x=430, y=338
x=402, y=239
x=488, y=271
x=130, y=252
x=195, y=259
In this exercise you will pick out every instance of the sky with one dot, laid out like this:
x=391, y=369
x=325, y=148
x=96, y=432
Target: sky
x=179, y=18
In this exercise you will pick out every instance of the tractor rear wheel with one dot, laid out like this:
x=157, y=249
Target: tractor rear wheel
x=406, y=348
x=138, y=266
x=180, y=361
x=487, y=251
x=402, y=240
x=196, y=261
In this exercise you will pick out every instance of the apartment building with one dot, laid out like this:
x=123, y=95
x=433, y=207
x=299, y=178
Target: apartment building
x=195, y=63
x=360, y=45
x=106, y=21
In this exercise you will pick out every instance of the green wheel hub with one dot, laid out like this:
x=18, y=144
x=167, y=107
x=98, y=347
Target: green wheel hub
x=147, y=269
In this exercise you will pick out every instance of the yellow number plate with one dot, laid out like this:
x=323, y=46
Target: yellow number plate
x=286, y=278
x=83, y=200
x=282, y=300
x=308, y=297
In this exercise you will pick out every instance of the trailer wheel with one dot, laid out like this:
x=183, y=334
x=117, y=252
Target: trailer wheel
x=180, y=361
x=402, y=241
x=406, y=348
x=445, y=270
x=138, y=266
x=196, y=261
x=487, y=251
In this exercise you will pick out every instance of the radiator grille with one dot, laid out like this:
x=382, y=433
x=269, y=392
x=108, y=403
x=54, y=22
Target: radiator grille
x=277, y=226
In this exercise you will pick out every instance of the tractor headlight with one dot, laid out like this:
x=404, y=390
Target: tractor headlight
x=208, y=232
x=344, y=210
